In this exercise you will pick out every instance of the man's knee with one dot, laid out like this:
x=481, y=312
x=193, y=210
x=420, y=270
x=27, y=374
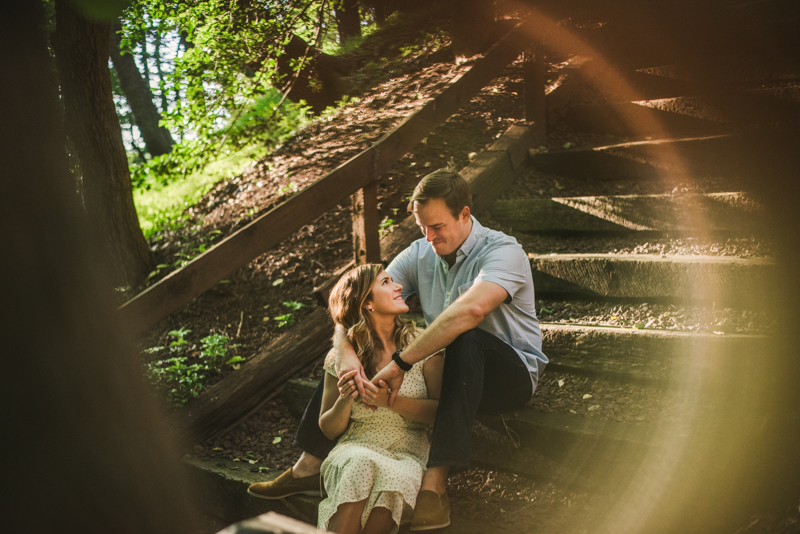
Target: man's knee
x=466, y=343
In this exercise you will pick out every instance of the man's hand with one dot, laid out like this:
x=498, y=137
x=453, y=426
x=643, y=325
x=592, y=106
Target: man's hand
x=391, y=375
x=379, y=397
x=347, y=362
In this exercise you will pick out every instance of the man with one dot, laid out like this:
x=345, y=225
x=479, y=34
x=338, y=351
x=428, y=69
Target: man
x=476, y=292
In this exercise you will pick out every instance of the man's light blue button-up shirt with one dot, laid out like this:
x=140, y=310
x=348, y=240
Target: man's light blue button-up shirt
x=486, y=255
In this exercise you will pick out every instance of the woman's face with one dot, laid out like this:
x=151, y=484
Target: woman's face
x=385, y=297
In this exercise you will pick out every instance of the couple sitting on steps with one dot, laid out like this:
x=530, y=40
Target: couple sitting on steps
x=365, y=432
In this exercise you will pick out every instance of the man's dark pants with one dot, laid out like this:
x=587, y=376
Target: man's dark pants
x=481, y=373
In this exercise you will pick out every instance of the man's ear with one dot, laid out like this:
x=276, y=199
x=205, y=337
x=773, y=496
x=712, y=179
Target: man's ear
x=465, y=213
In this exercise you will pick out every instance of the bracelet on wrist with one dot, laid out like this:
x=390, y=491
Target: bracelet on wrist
x=400, y=363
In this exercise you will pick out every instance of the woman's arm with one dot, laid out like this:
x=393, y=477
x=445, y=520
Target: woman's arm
x=420, y=410
x=337, y=404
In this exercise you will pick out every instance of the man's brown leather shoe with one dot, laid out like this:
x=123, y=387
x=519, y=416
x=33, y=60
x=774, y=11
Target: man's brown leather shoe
x=431, y=511
x=286, y=485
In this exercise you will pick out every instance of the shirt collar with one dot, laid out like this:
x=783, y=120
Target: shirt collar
x=472, y=238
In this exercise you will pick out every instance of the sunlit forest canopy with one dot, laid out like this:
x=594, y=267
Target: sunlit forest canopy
x=225, y=74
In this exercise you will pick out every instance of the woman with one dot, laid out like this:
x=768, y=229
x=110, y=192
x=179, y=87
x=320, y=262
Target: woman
x=373, y=475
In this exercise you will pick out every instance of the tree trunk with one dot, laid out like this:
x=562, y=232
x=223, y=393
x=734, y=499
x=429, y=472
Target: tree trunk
x=137, y=93
x=380, y=12
x=348, y=20
x=92, y=125
x=321, y=84
x=157, y=55
x=74, y=382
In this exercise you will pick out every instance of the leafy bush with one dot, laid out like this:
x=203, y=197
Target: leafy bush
x=181, y=377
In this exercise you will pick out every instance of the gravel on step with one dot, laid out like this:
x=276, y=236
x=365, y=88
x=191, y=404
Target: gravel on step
x=742, y=247
x=701, y=319
x=602, y=399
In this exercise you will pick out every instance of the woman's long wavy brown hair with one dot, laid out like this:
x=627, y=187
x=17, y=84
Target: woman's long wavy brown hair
x=346, y=306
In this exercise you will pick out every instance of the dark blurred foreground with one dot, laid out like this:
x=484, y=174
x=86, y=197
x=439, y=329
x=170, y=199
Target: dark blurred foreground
x=86, y=451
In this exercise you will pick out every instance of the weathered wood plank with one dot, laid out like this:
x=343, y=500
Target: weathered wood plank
x=712, y=212
x=517, y=141
x=398, y=142
x=204, y=271
x=718, y=279
x=239, y=394
x=366, y=239
x=488, y=174
x=533, y=73
x=236, y=396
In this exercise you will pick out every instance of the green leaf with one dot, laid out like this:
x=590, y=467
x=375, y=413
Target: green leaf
x=545, y=311
x=276, y=439
x=294, y=305
x=277, y=282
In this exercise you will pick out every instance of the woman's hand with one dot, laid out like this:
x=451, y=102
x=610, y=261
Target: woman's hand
x=347, y=387
x=392, y=375
x=377, y=396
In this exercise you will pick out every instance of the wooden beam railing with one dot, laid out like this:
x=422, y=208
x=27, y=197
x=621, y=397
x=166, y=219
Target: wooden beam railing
x=360, y=172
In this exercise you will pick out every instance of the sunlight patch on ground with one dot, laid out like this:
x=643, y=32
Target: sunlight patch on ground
x=162, y=205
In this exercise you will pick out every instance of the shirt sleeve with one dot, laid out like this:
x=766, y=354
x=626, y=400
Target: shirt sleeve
x=507, y=265
x=403, y=270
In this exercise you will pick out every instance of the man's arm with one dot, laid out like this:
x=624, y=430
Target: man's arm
x=464, y=314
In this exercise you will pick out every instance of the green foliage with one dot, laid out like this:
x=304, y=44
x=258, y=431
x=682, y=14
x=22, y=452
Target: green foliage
x=180, y=377
x=385, y=226
x=287, y=319
x=160, y=206
x=294, y=305
x=220, y=76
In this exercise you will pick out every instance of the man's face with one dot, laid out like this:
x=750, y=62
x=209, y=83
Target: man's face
x=444, y=232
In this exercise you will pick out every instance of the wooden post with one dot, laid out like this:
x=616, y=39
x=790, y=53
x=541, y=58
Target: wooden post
x=366, y=239
x=533, y=73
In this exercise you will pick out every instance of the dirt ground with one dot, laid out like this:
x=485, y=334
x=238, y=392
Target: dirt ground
x=245, y=306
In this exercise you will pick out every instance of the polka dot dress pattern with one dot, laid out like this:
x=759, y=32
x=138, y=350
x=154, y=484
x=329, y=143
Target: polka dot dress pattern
x=381, y=457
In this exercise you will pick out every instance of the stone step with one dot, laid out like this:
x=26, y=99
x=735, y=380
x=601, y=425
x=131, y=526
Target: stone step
x=728, y=281
x=698, y=213
x=776, y=104
x=647, y=355
x=222, y=489
x=615, y=84
x=223, y=486
x=738, y=69
x=674, y=158
x=638, y=121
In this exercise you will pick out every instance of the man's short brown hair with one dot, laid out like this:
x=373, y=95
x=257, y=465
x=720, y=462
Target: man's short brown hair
x=446, y=184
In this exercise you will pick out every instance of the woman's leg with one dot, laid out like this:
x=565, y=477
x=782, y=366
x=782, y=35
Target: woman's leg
x=347, y=519
x=379, y=521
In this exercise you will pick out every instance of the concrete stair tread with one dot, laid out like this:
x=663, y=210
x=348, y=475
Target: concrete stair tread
x=723, y=279
x=673, y=158
x=710, y=212
x=635, y=120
